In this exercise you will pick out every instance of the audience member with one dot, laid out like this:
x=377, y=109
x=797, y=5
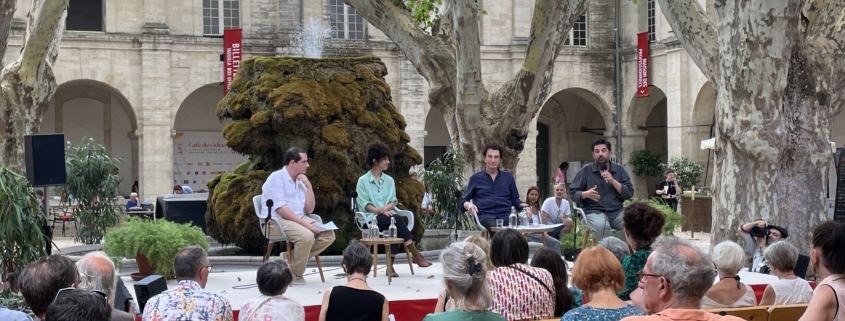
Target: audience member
x=643, y=224
x=599, y=274
x=41, y=280
x=556, y=210
x=444, y=302
x=465, y=277
x=755, y=246
x=273, y=279
x=293, y=197
x=133, y=203
x=491, y=193
x=79, y=305
x=534, y=217
x=827, y=259
x=188, y=300
x=96, y=272
x=520, y=291
x=377, y=201
x=355, y=300
x=616, y=246
x=177, y=189
x=600, y=188
x=729, y=292
x=789, y=288
x=12, y=315
x=552, y=262
x=668, y=289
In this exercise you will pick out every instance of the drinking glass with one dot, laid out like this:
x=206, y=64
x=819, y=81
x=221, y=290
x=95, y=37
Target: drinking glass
x=499, y=223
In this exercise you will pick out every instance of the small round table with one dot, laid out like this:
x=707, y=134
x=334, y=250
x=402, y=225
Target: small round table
x=530, y=229
x=386, y=242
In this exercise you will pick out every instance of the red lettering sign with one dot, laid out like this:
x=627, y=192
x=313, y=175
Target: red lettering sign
x=231, y=55
x=642, y=64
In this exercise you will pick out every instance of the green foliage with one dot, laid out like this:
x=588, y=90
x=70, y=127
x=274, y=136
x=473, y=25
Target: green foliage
x=159, y=242
x=13, y=300
x=646, y=163
x=21, y=238
x=687, y=172
x=568, y=242
x=442, y=179
x=672, y=218
x=425, y=12
x=91, y=182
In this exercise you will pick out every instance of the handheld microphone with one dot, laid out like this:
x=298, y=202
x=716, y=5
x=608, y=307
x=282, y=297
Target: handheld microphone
x=354, y=195
x=269, y=209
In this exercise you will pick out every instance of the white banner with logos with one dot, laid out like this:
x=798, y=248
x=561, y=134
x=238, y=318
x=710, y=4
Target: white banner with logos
x=199, y=157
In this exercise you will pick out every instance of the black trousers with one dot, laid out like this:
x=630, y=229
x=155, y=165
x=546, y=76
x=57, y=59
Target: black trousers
x=48, y=232
x=401, y=229
x=672, y=202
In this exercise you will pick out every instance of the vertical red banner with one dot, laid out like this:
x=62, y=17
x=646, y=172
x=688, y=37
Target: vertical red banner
x=642, y=64
x=231, y=56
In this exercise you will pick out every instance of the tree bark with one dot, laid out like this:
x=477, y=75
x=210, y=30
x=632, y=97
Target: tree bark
x=776, y=94
x=7, y=11
x=450, y=62
x=28, y=83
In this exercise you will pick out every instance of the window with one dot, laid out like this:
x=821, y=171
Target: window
x=345, y=21
x=220, y=12
x=578, y=33
x=650, y=19
x=84, y=15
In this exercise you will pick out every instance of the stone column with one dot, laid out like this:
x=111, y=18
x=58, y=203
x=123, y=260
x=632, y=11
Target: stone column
x=155, y=17
x=677, y=100
x=155, y=138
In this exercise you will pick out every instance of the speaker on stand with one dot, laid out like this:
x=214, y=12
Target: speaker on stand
x=44, y=156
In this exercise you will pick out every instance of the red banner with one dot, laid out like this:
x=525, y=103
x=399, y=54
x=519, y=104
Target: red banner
x=642, y=64
x=231, y=56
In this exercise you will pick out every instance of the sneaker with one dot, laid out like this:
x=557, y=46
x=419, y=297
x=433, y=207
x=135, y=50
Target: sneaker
x=421, y=261
x=299, y=281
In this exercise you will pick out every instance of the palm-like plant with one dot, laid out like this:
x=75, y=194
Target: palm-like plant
x=442, y=178
x=91, y=182
x=21, y=237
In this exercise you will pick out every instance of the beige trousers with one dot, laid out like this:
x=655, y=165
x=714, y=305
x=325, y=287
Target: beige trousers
x=305, y=244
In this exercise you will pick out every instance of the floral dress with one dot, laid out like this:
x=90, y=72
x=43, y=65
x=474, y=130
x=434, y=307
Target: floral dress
x=272, y=308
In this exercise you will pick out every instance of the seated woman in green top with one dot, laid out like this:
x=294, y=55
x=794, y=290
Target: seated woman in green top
x=643, y=224
x=465, y=277
x=377, y=199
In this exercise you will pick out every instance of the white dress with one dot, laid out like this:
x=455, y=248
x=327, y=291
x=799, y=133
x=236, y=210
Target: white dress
x=792, y=291
x=746, y=300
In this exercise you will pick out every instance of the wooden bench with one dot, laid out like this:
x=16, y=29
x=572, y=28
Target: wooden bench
x=756, y=313
x=788, y=312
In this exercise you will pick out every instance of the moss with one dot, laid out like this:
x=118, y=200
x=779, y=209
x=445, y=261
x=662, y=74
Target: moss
x=333, y=108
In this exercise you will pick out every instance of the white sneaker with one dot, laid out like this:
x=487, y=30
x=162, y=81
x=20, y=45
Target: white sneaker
x=299, y=281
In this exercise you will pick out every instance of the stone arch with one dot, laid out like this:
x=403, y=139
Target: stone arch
x=701, y=124
x=437, y=139
x=599, y=94
x=640, y=108
x=196, y=113
x=705, y=106
x=196, y=81
x=648, y=115
x=91, y=108
x=120, y=84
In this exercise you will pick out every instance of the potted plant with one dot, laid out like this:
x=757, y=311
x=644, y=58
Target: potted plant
x=442, y=178
x=154, y=243
x=687, y=171
x=93, y=187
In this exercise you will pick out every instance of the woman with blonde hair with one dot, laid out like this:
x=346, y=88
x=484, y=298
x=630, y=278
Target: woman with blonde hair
x=599, y=274
x=728, y=292
x=465, y=277
x=444, y=302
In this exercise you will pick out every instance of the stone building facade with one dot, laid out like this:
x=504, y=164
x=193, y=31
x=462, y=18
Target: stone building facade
x=134, y=73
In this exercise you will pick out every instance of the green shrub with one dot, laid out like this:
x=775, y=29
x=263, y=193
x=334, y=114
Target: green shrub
x=159, y=242
x=442, y=179
x=672, y=218
x=646, y=163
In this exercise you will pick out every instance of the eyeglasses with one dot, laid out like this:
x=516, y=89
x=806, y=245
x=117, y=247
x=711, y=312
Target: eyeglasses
x=101, y=293
x=209, y=267
x=642, y=275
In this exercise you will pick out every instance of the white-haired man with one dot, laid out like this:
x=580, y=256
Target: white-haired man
x=96, y=272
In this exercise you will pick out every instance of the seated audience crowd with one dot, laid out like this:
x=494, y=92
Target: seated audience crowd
x=789, y=288
x=728, y=292
x=444, y=301
x=599, y=274
x=465, y=278
x=519, y=291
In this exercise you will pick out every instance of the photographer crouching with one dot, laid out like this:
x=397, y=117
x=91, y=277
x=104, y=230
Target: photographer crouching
x=758, y=235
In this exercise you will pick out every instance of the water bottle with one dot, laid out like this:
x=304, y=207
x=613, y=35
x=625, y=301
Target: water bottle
x=392, y=229
x=374, y=229
x=513, y=220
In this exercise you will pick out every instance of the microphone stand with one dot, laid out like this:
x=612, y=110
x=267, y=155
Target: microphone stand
x=457, y=214
x=267, y=219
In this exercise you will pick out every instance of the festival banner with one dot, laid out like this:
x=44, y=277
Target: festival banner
x=231, y=56
x=642, y=64
x=199, y=157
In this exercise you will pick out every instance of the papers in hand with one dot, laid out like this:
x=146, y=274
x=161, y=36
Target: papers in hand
x=326, y=227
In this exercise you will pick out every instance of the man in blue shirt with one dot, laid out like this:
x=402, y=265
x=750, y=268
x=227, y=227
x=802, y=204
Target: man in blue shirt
x=492, y=192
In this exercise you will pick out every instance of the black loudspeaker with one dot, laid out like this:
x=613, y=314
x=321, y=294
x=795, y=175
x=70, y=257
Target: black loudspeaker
x=802, y=266
x=149, y=287
x=45, y=159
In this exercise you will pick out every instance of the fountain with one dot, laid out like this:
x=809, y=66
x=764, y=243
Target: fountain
x=310, y=38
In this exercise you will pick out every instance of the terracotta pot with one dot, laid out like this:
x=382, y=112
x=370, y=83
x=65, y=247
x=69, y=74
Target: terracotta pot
x=144, y=267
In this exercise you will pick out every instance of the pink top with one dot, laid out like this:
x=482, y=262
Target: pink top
x=561, y=176
x=517, y=296
x=836, y=282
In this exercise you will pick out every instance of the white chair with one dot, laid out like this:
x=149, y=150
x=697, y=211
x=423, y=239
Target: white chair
x=256, y=202
x=583, y=218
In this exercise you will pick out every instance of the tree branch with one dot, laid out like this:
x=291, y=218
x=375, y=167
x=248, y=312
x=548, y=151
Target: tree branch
x=42, y=39
x=825, y=40
x=696, y=32
x=523, y=95
x=7, y=11
x=470, y=90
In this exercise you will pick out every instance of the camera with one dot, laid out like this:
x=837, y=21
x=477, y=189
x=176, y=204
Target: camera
x=759, y=231
x=764, y=268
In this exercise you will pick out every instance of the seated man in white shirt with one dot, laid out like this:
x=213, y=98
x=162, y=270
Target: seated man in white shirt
x=556, y=210
x=293, y=197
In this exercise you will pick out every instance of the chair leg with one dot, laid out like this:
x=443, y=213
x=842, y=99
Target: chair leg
x=288, y=253
x=320, y=268
x=410, y=262
x=584, y=239
x=63, y=228
x=484, y=234
x=269, y=250
x=375, y=260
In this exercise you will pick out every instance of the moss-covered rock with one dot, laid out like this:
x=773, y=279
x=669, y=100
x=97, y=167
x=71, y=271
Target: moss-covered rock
x=333, y=108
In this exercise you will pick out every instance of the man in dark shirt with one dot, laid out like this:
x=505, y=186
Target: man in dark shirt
x=599, y=189
x=669, y=190
x=492, y=192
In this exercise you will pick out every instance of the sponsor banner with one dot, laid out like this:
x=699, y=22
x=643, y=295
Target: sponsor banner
x=231, y=56
x=642, y=64
x=199, y=157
